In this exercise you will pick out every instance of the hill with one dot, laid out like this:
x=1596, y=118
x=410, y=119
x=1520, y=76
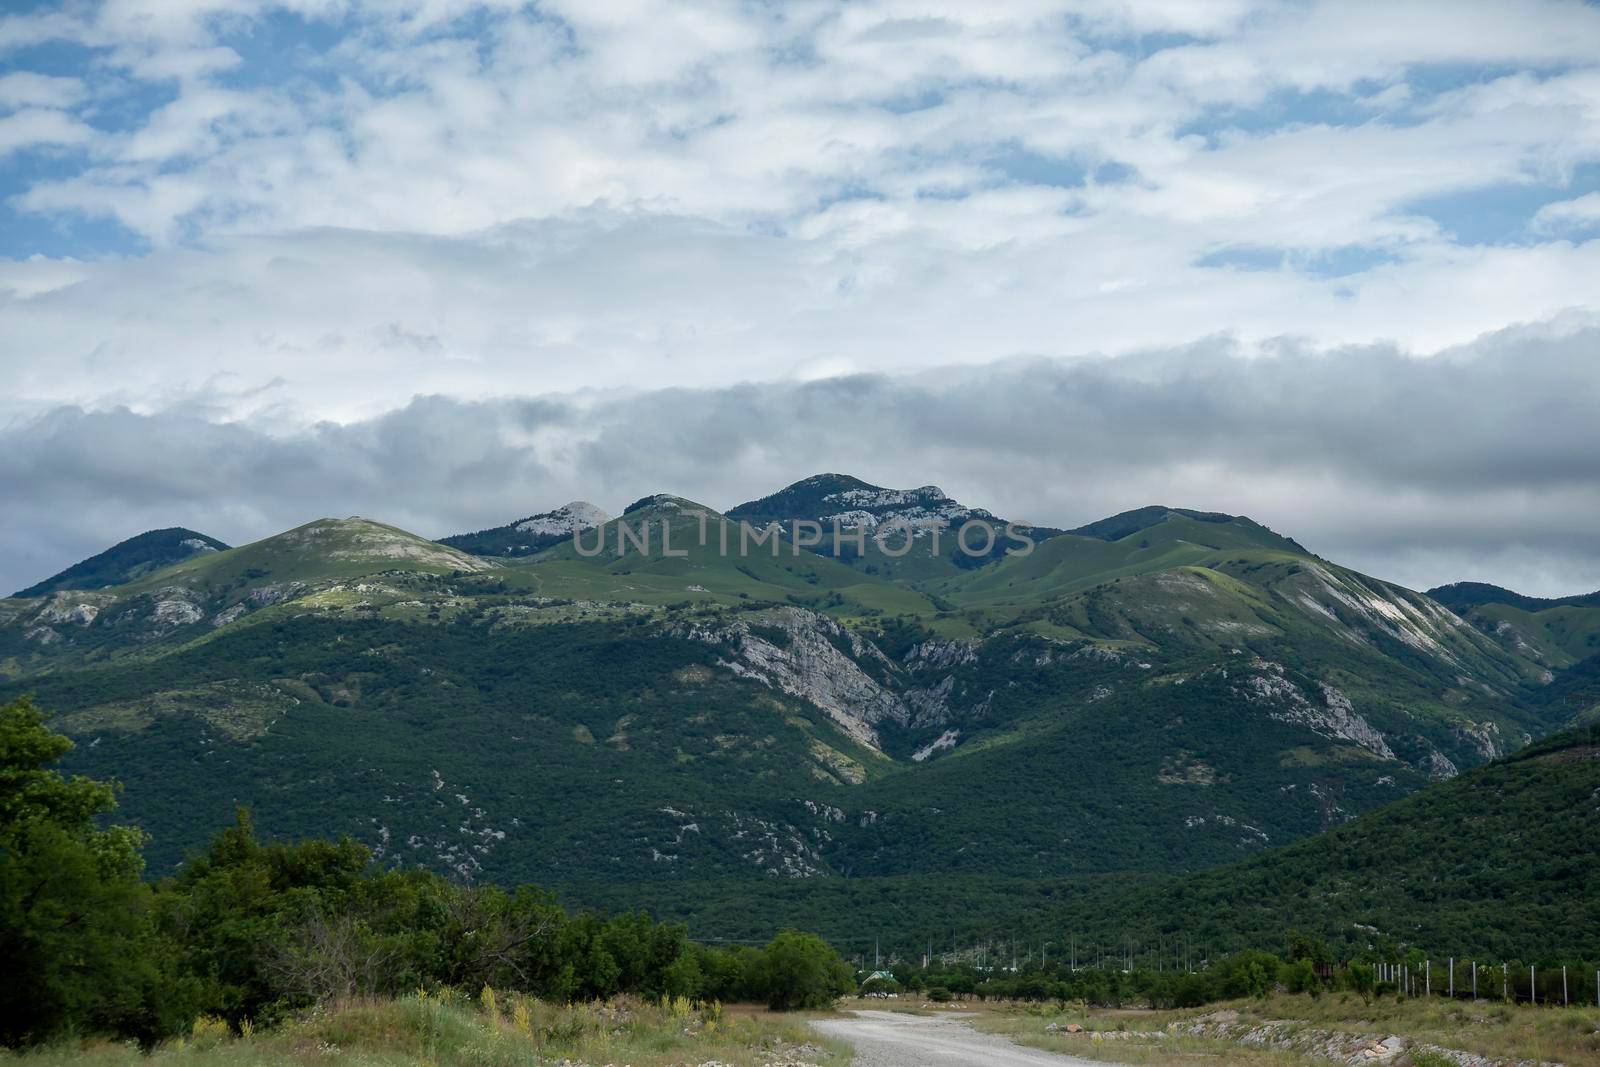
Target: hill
x=128, y=560
x=524, y=537
x=1555, y=632
x=1463, y=596
x=1495, y=864
x=1128, y=523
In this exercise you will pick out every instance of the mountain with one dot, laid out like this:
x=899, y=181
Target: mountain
x=1554, y=632
x=1497, y=861
x=1464, y=596
x=1496, y=864
x=317, y=566
x=532, y=534
x=1128, y=523
x=128, y=560
x=676, y=698
x=910, y=534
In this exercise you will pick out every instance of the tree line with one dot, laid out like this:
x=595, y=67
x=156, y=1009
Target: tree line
x=251, y=930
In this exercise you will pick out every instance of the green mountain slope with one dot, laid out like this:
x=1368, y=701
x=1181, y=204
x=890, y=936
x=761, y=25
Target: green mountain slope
x=318, y=565
x=1555, y=633
x=1497, y=864
x=1500, y=860
x=128, y=560
x=668, y=550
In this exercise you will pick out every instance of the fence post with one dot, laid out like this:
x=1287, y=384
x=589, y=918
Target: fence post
x=1533, y=987
x=1427, y=978
x=1452, y=977
x=1503, y=986
x=1565, y=1002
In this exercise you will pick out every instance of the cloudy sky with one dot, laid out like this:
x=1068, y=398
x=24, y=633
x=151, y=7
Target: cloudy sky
x=449, y=262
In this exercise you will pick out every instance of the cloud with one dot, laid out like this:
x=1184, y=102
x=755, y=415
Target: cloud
x=1485, y=454
x=25, y=89
x=40, y=126
x=1579, y=213
x=351, y=323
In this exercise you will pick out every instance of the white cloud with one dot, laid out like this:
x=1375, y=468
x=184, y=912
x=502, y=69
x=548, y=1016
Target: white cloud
x=32, y=126
x=23, y=88
x=1577, y=213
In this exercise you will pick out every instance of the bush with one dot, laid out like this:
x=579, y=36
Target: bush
x=1300, y=977
x=802, y=971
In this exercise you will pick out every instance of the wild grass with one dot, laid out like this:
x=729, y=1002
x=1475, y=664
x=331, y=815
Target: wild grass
x=1497, y=1031
x=443, y=1028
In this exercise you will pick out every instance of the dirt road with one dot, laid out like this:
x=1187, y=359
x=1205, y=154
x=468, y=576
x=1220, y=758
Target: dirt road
x=892, y=1039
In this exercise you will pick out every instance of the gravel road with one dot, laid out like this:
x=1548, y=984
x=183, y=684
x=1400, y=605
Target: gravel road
x=893, y=1039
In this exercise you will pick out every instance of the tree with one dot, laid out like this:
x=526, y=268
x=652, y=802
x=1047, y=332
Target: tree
x=75, y=938
x=802, y=971
x=1304, y=946
x=1363, y=979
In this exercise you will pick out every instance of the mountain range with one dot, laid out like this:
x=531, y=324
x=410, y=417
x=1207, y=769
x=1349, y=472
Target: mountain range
x=1157, y=693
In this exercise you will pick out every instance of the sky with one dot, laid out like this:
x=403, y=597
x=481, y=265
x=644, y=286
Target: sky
x=447, y=263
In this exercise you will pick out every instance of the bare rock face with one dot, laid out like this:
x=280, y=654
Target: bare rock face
x=813, y=657
x=74, y=609
x=794, y=650
x=174, y=612
x=1439, y=766
x=1333, y=717
x=578, y=515
x=943, y=655
x=1485, y=737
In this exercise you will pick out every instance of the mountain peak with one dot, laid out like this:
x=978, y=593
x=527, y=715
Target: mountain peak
x=842, y=498
x=1128, y=523
x=577, y=514
x=534, y=533
x=666, y=502
x=129, y=560
x=358, y=540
